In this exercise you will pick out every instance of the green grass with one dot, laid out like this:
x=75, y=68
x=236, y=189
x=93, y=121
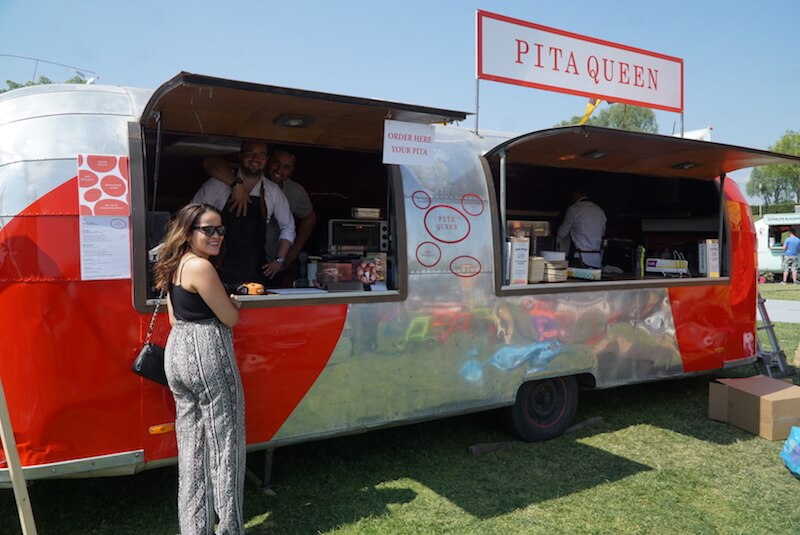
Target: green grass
x=783, y=292
x=653, y=464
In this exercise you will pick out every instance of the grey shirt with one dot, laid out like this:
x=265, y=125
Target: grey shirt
x=299, y=204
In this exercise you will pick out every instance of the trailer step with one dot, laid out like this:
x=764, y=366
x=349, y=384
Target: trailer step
x=771, y=363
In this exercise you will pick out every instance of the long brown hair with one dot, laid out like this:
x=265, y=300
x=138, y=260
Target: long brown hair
x=176, y=243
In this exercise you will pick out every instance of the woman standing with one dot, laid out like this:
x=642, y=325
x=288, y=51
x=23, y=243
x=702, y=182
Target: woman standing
x=203, y=374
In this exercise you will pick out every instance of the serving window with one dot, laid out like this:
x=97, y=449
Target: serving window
x=662, y=197
x=352, y=199
x=355, y=252
x=654, y=230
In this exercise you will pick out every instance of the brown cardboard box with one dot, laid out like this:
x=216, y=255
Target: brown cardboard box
x=761, y=405
x=334, y=272
x=797, y=356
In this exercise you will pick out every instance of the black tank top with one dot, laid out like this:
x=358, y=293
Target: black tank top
x=188, y=306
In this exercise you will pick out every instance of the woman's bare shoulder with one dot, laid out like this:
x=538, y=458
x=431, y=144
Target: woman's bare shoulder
x=197, y=269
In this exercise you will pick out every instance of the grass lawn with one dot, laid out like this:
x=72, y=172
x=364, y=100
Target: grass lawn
x=783, y=292
x=651, y=463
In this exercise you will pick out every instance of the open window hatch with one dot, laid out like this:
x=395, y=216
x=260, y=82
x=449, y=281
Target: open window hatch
x=337, y=143
x=667, y=200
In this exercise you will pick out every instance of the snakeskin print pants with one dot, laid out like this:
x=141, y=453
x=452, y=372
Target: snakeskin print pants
x=209, y=404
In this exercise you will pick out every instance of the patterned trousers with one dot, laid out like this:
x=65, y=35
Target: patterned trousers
x=209, y=404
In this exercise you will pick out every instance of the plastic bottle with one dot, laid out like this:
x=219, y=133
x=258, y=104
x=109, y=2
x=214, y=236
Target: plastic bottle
x=638, y=262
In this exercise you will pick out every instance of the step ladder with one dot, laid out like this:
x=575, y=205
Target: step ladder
x=772, y=362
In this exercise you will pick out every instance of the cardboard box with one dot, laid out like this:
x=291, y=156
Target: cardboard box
x=535, y=269
x=334, y=272
x=519, y=260
x=379, y=260
x=708, y=253
x=761, y=405
x=666, y=265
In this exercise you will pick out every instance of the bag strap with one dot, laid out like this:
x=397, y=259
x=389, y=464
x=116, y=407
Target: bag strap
x=153, y=319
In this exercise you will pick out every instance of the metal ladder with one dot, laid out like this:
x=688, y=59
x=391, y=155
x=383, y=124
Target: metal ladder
x=771, y=363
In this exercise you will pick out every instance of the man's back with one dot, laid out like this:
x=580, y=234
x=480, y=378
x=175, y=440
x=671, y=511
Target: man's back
x=792, y=245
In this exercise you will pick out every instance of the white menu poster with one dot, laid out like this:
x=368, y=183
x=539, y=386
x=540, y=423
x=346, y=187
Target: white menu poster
x=104, y=207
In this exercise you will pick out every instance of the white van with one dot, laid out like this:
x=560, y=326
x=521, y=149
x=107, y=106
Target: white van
x=770, y=232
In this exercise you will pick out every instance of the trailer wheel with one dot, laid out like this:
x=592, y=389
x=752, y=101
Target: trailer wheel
x=544, y=409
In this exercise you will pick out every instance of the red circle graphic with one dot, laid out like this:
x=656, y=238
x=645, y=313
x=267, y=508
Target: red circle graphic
x=421, y=199
x=472, y=204
x=446, y=224
x=465, y=266
x=87, y=179
x=113, y=186
x=92, y=195
x=101, y=164
x=428, y=253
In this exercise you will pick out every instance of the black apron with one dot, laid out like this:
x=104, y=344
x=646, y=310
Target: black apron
x=575, y=256
x=244, y=244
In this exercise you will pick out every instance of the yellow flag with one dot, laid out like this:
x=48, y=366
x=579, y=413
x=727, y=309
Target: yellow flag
x=590, y=106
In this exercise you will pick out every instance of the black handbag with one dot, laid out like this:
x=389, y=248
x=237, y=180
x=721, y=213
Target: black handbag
x=149, y=363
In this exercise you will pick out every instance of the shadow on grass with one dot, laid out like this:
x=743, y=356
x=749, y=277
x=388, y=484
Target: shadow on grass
x=144, y=503
x=326, y=484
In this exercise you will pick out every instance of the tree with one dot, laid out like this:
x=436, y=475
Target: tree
x=767, y=186
x=622, y=117
x=780, y=182
x=789, y=143
x=42, y=80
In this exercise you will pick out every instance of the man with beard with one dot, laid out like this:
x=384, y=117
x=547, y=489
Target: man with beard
x=245, y=257
x=279, y=170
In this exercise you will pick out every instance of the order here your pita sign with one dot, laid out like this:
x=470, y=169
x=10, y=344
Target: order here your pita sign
x=407, y=143
x=523, y=53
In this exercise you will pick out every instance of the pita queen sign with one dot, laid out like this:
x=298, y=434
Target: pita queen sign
x=523, y=53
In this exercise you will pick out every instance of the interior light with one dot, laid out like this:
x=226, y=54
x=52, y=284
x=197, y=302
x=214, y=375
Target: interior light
x=292, y=121
x=594, y=154
x=567, y=157
x=683, y=166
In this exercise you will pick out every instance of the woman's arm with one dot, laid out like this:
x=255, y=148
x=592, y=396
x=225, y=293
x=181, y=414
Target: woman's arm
x=225, y=172
x=200, y=276
x=169, y=310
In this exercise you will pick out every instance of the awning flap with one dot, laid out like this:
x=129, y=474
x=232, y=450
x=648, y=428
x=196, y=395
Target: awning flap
x=621, y=151
x=202, y=105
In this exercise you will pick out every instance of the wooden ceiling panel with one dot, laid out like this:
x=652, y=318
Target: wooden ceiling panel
x=193, y=104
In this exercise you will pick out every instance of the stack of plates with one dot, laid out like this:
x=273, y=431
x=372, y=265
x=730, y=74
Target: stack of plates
x=535, y=269
x=555, y=271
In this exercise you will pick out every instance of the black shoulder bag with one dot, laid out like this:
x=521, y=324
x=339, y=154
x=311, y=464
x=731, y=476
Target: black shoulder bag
x=149, y=362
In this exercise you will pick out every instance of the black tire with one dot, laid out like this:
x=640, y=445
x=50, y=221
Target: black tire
x=544, y=409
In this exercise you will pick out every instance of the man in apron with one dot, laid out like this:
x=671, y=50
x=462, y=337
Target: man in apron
x=245, y=254
x=585, y=224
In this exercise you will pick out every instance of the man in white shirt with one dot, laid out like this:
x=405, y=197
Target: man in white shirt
x=585, y=224
x=245, y=255
x=279, y=170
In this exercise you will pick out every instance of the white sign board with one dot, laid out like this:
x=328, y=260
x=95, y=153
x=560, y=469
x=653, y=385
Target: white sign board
x=523, y=53
x=104, y=204
x=407, y=143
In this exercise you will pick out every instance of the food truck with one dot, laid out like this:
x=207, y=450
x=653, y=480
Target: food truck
x=90, y=174
x=771, y=231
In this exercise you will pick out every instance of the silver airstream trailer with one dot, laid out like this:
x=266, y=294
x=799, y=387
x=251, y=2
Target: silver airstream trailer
x=90, y=174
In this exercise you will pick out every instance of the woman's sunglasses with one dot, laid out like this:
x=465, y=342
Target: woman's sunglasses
x=210, y=230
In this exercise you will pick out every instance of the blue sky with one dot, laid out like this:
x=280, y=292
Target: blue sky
x=741, y=59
